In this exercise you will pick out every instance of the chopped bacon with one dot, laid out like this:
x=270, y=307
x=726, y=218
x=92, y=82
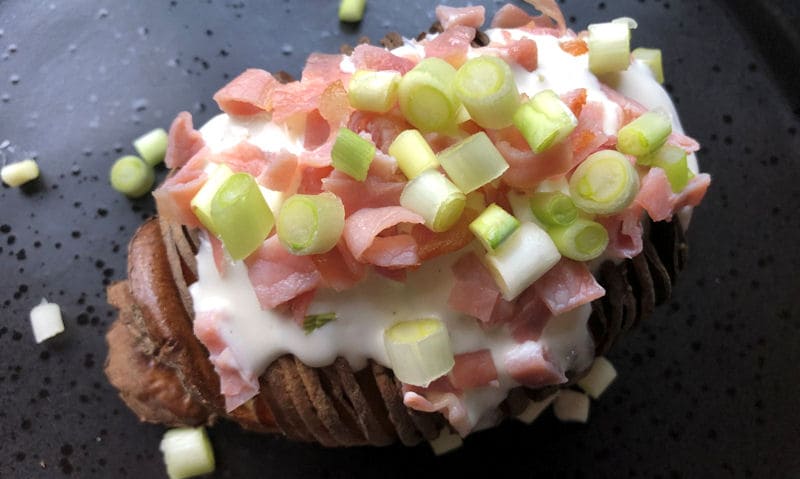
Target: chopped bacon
x=510, y=16
x=567, y=285
x=631, y=109
x=244, y=157
x=184, y=141
x=323, y=67
x=311, y=178
x=528, y=364
x=384, y=166
x=575, y=100
x=174, y=196
x=398, y=275
x=551, y=15
x=278, y=276
x=298, y=306
x=220, y=256
x=575, y=47
x=451, y=45
x=382, y=127
x=294, y=98
x=319, y=157
x=588, y=136
x=439, y=396
x=317, y=131
x=361, y=232
x=473, y=370
x=334, y=105
x=624, y=232
x=466, y=16
x=530, y=317
x=690, y=145
x=338, y=267
x=527, y=169
x=369, y=57
x=431, y=244
x=234, y=385
x=656, y=196
x=247, y=94
x=281, y=171
x=474, y=291
x=373, y=192
x=524, y=53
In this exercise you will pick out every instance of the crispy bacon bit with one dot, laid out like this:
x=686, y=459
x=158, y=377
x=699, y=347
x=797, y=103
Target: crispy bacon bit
x=657, y=198
x=567, y=285
x=432, y=244
x=631, y=109
x=551, y=14
x=220, y=256
x=371, y=193
x=247, y=94
x=530, y=317
x=184, y=141
x=474, y=291
x=466, y=16
x=575, y=47
x=575, y=100
x=323, y=67
x=338, y=267
x=278, y=276
x=298, y=306
x=334, y=105
x=524, y=53
x=174, y=196
x=527, y=169
x=317, y=132
x=383, y=128
x=690, y=145
x=510, y=16
x=528, y=364
x=369, y=57
x=451, y=45
x=473, y=370
x=361, y=232
x=281, y=171
x=588, y=136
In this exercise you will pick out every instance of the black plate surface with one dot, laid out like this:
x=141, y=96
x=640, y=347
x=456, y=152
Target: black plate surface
x=708, y=388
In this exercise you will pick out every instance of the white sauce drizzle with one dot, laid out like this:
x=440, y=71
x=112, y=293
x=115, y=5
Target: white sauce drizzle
x=258, y=337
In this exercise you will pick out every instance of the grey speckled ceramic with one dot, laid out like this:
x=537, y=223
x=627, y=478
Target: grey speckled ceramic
x=708, y=388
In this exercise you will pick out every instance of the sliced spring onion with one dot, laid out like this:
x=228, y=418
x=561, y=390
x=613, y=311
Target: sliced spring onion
x=473, y=162
x=152, y=146
x=351, y=10
x=544, y=120
x=352, y=154
x=604, y=183
x=630, y=22
x=599, y=377
x=435, y=198
x=493, y=226
x=645, y=134
x=521, y=259
x=426, y=95
x=486, y=87
x=583, y=240
x=535, y=408
x=201, y=202
x=240, y=215
x=310, y=224
x=312, y=322
x=673, y=161
x=187, y=452
x=373, y=90
x=19, y=173
x=571, y=406
x=419, y=350
x=652, y=58
x=413, y=153
x=609, y=47
x=46, y=321
x=445, y=442
x=131, y=176
x=554, y=208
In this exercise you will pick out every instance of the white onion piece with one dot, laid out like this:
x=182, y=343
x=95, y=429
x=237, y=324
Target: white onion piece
x=599, y=377
x=187, y=452
x=46, y=321
x=571, y=406
x=446, y=441
x=535, y=409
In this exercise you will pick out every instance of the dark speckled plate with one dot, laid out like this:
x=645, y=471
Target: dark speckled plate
x=708, y=388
